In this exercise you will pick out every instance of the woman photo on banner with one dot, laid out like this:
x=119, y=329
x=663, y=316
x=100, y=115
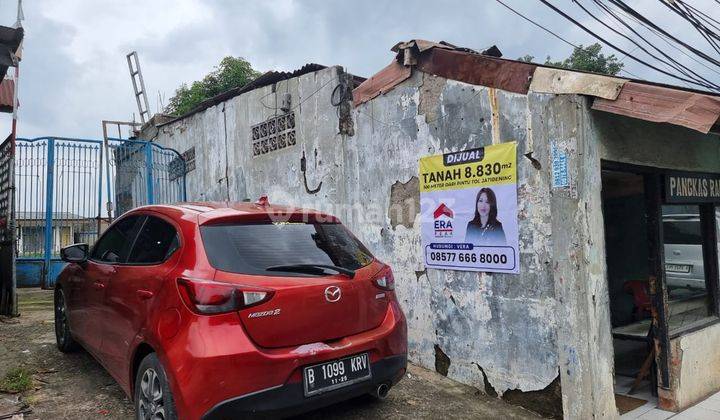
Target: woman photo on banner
x=485, y=229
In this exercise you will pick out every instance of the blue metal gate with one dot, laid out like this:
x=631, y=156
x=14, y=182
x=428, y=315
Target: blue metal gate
x=70, y=190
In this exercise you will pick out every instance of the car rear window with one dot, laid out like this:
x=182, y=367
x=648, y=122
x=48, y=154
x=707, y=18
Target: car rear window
x=682, y=232
x=251, y=248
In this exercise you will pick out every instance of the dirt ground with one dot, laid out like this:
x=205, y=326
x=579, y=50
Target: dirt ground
x=75, y=386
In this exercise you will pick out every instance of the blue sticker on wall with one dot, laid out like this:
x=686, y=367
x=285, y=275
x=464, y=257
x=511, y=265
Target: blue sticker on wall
x=560, y=177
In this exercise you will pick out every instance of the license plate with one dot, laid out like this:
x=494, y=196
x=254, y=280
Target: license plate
x=677, y=268
x=336, y=374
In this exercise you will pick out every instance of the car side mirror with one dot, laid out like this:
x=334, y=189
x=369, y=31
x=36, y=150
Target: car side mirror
x=77, y=253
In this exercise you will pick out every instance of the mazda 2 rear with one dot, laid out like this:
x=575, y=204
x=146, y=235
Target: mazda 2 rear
x=227, y=311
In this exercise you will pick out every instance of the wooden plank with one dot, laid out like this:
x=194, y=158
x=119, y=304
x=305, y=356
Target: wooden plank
x=656, y=269
x=558, y=81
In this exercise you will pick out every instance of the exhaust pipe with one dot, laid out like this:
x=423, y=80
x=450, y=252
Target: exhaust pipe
x=381, y=391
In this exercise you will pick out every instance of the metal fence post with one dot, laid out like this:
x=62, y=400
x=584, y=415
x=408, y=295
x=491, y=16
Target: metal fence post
x=149, y=172
x=184, y=183
x=101, y=151
x=49, y=189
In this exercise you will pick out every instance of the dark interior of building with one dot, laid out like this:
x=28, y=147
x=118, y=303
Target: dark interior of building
x=627, y=259
x=628, y=270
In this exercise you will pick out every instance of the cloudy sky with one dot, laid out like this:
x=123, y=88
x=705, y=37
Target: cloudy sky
x=74, y=72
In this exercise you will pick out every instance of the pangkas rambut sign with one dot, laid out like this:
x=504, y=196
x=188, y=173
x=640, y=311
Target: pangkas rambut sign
x=692, y=188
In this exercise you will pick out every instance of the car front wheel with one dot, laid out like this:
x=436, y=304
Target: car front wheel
x=64, y=339
x=153, y=399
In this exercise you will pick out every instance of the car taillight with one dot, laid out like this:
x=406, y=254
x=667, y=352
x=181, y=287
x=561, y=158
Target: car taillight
x=210, y=297
x=385, y=280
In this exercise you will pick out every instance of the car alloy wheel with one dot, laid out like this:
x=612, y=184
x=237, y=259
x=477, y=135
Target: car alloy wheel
x=151, y=405
x=60, y=317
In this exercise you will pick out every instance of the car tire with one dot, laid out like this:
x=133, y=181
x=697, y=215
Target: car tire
x=65, y=341
x=153, y=399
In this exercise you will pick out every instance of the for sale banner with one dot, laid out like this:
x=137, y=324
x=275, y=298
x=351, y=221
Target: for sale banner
x=468, y=201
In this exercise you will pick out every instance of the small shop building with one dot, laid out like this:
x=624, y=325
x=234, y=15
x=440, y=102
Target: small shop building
x=615, y=293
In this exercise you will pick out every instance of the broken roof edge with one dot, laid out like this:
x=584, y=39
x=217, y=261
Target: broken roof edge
x=266, y=79
x=400, y=69
x=695, y=109
x=382, y=82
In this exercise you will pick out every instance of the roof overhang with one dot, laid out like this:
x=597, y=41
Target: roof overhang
x=697, y=110
x=664, y=105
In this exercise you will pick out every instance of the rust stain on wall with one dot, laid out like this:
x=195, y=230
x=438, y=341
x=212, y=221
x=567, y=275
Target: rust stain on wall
x=495, y=115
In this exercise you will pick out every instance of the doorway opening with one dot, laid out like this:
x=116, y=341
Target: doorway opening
x=627, y=253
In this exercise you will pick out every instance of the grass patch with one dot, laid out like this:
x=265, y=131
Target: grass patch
x=17, y=380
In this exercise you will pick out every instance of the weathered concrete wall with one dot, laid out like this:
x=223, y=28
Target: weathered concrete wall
x=494, y=331
x=583, y=311
x=698, y=363
x=628, y=140
x=221, y=135
x=512, y=336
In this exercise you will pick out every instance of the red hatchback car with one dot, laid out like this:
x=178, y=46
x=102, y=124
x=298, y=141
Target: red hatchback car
x=218, y=310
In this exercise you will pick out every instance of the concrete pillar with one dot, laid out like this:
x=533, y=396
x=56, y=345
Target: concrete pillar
x=581, y=289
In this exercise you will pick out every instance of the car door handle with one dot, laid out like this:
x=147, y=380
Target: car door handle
x=99, y=286
x=144, y=294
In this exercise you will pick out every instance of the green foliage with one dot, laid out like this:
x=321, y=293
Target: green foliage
x=17, y=380
x=589, y=59
x=526, y=58
x=231, y=73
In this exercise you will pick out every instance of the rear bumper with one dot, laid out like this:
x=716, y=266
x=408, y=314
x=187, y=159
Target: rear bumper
x=211, y=361
x=289, y=399
x=684, y=282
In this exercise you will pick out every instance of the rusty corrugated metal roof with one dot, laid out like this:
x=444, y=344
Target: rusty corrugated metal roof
x=7, y=88
x=478, y=69
x=267, y=78
x=383, y=81
x=650, y=101
x=432, y=57
x=664, y=105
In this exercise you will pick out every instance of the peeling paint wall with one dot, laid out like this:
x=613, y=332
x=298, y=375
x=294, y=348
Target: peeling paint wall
x=628, y=140
x=476, y=325
x=513, y=336
x=698, y=362
x=225, y=166
x=493, y=331
x=579, y=269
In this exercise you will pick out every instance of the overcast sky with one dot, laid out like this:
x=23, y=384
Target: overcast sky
x=74, y=72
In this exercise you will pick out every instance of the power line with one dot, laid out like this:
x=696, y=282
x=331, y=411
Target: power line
x=662, y=38
x=697, y=15
x=539, y=25
x=696, y=24
x=623, y=6
x=674, y=64
x=611, y=45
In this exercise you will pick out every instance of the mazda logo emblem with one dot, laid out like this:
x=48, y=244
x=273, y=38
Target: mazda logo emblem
x=332, y=293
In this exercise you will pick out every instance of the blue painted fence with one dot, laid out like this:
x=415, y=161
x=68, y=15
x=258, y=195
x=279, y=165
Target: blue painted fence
x=69, y=190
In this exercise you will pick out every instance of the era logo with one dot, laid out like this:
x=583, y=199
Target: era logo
x=443, y=221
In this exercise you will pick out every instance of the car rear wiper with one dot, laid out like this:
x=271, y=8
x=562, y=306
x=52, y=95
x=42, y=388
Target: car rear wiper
x=311, y=268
